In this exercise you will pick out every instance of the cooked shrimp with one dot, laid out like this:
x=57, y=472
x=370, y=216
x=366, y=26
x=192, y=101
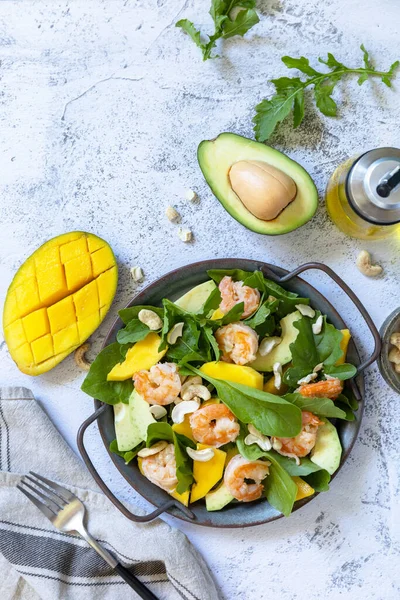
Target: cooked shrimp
x=331, y=388
x=303, y=443
x=233, y=292
x=160, y=468
x=238, y=471
x=214, y=425
x=237, y=342
x=161, y=385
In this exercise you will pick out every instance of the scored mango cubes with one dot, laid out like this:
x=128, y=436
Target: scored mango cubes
x=57, y=299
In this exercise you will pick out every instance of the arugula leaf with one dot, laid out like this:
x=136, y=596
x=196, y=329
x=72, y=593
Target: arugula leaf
x=289, y=91
x=231, y=17
x=127, y=456
x=324, y=407
x=263, y=313
x=187, y=347
x=127, y=314
x=209, y=334
x=270, y=414
x=95, y=383
x=309, y=349
x=133, y=332
x=184, y=464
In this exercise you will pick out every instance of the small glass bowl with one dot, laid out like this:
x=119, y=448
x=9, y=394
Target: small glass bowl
x=390, y=325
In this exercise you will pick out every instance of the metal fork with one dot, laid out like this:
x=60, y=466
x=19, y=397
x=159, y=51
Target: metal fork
x=68, y=514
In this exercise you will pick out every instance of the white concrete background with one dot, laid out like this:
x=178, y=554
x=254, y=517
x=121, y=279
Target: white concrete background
x=103, y=104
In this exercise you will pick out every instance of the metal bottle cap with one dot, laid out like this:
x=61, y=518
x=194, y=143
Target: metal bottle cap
x=373, y=186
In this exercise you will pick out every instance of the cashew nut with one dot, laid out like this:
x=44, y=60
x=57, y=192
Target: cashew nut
x=150, y=318
x=137, y=274
x=80, y=357
x=394, y=356
x=395, y=339
x=201, y=455
x=307, y=378
x=277, y=369
x=185, y=234
x=145, y=452
x=364, y=265
x=184, y=408
x=317, y=326
x=264, y=444
x=195, y=391
x=267, y=344
x=172, y=214
x=318, y=367
x=158, y=411
x=191, y=196
x=175, y=333
x=305, y=310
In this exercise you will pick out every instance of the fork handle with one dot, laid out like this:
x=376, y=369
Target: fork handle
x=134, y=583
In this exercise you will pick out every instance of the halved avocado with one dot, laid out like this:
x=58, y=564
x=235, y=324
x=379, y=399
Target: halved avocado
x=216, y=157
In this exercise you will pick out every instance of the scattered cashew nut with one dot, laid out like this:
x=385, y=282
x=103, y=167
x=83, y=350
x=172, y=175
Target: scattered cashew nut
x=365, y=266
x=394, y=354
x=184, y=408
x=158, y=411
x=80, y=357
x=172, y=214
x=175, y=333
x=268, y=344
x=307, y=378
x=150, y=318
x=317, y=326
x=185, y=234
x=145, y=452
x=277, y=369
x=195, y=390
x=137, y=274
x=201, y=455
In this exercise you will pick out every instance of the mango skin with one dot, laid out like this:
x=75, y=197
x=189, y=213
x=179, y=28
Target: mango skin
x=57, y=299
x=207, y=474
x=141, y=356
x=236, y=373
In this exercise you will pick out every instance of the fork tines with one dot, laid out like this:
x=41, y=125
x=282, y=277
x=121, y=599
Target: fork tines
x=49, y=497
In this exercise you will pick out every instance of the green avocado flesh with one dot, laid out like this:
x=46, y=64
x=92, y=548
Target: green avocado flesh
x=131, y=422
x=218, y=498
x=281, y=353
x=194, y=300
x=216, y=158
x=328, y=449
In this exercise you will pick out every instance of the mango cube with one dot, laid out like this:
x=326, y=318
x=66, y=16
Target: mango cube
x=182, y=498
x=236, y=373
x=102, y=260
x=184, y=428
x=303, y=488
x=141, y=356
x=44, y=319
x=344, y=342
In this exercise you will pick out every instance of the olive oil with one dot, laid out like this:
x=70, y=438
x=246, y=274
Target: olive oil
x=357, y=200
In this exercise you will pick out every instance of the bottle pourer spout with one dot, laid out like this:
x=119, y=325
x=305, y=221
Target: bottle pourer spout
x=388, y=183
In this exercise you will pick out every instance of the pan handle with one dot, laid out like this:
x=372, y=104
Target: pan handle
x=352, y=296
x=91, y=468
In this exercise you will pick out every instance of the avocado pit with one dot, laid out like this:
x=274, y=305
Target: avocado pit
x=263, y=189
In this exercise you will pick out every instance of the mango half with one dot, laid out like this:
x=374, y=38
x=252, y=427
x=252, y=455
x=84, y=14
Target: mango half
x=57, y=299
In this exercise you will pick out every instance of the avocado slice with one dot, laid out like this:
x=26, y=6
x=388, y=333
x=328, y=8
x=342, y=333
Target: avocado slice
x=131, y=422
x=194, y=300
x=218, y=498
x=216, y=157
x=280, y=353
x=327, y=451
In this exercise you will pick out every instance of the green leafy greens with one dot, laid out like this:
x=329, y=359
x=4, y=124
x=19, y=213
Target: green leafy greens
x=95, y=383
x=231, y=17
x=289, y=91
x=128, y=455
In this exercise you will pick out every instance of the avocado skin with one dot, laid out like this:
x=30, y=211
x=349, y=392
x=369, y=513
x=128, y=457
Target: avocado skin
x=216, y=157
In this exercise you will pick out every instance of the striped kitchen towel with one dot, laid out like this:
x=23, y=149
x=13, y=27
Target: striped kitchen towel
x=38, y=561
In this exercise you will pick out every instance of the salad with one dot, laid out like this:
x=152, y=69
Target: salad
x=229, y=394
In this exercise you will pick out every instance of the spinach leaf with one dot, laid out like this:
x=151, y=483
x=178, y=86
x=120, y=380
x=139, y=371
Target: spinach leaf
x=172, y=314
x=133, y=332
x=318, y=480
x=212, y=303
x=95, y=383
x=270, y=414
x=264, y=311
x=127, y=456
x=184, y=464
x=305, y=467
x=209, y=335
x=127, y=314
x=279, y=488
x=344, y=371
x=233, y=316
x=322, y=407
x=187, y=347
x=347, y=398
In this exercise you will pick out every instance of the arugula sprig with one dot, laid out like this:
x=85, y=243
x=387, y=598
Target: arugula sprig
x=290, y=91
x=231, y=17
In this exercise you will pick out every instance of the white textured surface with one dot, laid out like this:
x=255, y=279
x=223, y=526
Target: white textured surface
x=103, y=105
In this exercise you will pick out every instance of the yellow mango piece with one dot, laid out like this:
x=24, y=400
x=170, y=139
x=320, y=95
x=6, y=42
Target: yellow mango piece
x=269, y=385
x=73, y=249
x=42, y=348
x=61, y=314
x=36, y=324
x=207, y=474
x=141, y=356
x=235, y=373
x=182, y=498
x=66, y=338
x=217, y=314
x=78, y=271
x=40, y=318
x=102, y=260
x=184, y=428
x=86, y=301
x=139, y=462
x=212, y=401
x=303, y=489
x=343, y=345
x=16, y=333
